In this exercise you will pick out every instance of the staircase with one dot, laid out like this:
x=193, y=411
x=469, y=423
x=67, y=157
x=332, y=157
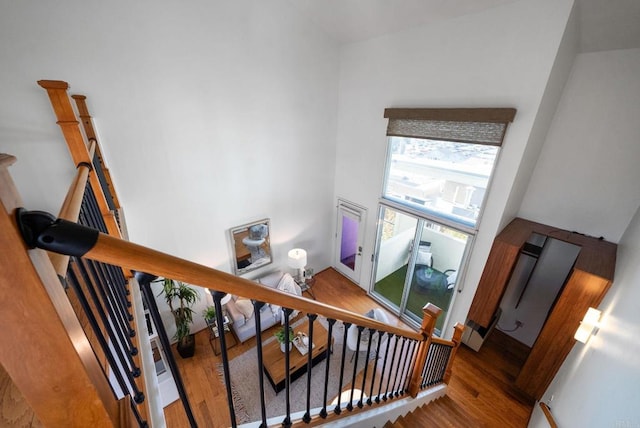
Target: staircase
x=443, y=412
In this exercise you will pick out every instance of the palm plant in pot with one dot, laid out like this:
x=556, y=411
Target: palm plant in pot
x=284, y=339
x=180, y=298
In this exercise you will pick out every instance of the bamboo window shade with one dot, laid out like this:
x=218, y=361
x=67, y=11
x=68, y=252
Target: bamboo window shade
x=468, y=125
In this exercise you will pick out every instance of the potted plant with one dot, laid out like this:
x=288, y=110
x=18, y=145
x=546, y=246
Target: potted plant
x=282, y=338
x=209, y=314
x=180, y=298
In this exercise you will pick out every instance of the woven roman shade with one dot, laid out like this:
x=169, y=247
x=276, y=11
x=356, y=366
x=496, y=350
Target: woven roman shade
x=475, y=125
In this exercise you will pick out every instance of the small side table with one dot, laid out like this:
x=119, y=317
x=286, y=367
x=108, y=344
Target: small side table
x=308, y=286
x=214, y=338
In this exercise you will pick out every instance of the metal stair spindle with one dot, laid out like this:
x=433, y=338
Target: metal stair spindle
x=323, y=412
x=373, y=375
x=257, y=307
x=337, y=409
x=366, y=366
x=307, y=415
x=384, y=365
x=286, y=423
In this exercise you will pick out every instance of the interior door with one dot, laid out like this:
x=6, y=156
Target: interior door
x=349, y=239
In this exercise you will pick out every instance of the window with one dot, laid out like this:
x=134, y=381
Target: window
x=439, y=166
x=440, y=161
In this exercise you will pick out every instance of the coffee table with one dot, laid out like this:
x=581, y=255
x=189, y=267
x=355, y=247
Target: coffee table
x=273, y=358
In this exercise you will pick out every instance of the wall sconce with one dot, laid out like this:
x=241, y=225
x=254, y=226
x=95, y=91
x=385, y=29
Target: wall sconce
x=588, y=325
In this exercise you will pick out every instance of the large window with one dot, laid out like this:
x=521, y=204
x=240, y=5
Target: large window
x=440, y=161
x=439, y=166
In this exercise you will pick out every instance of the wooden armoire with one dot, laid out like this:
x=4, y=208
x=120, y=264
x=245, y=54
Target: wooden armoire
x=587, y=284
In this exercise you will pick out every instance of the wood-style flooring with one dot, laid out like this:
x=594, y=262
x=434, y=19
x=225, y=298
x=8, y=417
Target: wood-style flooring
x=480, y=389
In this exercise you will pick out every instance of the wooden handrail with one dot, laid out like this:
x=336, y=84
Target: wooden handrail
x=57, y=91
x=70, y=209
x=547, y=413
x=109, y=249
x=444, y=342
x=87, y=123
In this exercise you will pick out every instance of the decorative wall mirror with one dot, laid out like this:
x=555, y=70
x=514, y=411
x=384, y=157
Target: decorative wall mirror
x=251, y=246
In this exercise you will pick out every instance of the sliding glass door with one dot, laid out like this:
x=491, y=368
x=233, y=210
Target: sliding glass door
x=417, y=262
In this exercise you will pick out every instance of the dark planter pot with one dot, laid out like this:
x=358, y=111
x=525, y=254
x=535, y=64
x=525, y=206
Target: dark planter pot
x=187, y=346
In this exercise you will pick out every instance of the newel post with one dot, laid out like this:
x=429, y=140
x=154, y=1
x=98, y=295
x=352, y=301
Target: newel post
x=456, y=339
x=430, y=315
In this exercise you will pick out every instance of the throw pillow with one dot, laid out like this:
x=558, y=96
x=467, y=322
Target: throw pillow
x=245, y=307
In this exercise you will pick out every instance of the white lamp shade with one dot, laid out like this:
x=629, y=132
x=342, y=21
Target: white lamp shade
x=297, y=258
x=225, y=299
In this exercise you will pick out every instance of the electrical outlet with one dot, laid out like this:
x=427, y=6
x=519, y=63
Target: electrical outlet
x=519, y=324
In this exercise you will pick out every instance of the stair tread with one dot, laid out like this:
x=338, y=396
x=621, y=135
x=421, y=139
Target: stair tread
x=443, y=412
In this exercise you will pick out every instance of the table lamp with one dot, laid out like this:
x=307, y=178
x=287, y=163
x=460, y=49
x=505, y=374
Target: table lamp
x=298, y=260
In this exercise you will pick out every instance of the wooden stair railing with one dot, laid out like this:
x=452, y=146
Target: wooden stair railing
x=109, y=248
x=548, y=415
x=40, y=331
x=57, y=91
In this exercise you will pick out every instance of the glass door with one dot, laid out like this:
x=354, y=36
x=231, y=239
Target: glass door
x=350, y=235
x=417, y=262
x=396, y=237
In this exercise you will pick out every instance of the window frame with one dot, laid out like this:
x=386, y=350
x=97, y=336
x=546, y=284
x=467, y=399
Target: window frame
x=465, y=117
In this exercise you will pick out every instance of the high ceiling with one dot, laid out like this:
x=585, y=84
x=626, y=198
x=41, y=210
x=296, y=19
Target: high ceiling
x=604, y=24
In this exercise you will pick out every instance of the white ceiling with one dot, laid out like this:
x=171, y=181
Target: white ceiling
x=604, y=24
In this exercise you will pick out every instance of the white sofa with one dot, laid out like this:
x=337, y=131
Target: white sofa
x=241, y=309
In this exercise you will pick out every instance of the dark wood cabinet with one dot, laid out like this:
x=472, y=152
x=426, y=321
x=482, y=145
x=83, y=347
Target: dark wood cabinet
x=588, y=282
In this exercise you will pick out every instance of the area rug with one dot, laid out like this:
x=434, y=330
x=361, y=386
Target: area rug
x=246, y=389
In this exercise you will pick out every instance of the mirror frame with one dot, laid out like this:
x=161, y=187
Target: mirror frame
x=240, y=251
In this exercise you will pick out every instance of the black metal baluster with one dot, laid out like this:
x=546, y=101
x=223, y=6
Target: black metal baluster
x=384, y=365
x=407, y=378
x=373, y=374
x=442, y=363
x=394, y=390
x=355, y=368
x=118, y=293
x=286, y=423
x=144, y=280
x=119, y=284
x=217, y=303
x=114, y=334
x=446, y=352
x=323, y=412
x=86, y=307
x=427, y=366
x=307, y=416
x=337, y=409
x=122, y=314
x=393, y=358
x=106, y=294
x=257, y=307
x=119, y=329
x=141, y=422
x=436, y=364
x=366, y=366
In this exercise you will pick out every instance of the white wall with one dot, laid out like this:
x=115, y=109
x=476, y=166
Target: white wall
x=597, y=385
x=211, y=114
x=502, y=57
x=587, y=176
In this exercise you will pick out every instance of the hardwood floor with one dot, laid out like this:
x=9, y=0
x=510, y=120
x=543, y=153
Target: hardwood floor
x=481, y=385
